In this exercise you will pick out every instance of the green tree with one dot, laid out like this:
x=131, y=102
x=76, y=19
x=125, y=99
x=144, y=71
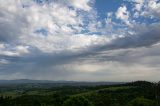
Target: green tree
x=77, y=101
x=140, y=101
x=100, y=99
x=158, y=93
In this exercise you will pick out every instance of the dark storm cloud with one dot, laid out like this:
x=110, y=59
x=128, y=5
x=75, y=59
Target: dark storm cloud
x=147, y=38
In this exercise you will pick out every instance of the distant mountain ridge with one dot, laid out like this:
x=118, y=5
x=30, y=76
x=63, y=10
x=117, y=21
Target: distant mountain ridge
x=25, y=81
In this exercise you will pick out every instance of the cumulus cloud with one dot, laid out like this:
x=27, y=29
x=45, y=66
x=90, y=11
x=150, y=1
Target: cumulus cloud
x=147, y=8
x=153, y=8
x=123, y=14
x=40, y=25
x=83, y=4
x=139, y=4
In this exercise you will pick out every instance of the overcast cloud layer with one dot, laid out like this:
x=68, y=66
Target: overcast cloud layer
x=69, y=40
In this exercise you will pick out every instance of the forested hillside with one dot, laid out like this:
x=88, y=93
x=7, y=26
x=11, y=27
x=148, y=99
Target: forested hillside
x=139, y=93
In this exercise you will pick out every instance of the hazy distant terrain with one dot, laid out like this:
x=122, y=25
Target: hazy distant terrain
x=27, y=81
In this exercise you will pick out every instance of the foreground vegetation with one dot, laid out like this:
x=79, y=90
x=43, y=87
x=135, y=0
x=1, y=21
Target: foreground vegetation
x=139, y=93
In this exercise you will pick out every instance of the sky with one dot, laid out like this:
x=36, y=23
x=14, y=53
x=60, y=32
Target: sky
x=80, y=40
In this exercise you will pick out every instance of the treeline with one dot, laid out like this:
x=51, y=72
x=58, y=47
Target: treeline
x=139, y=93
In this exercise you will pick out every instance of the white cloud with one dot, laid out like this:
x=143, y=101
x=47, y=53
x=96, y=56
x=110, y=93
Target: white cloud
x=60, y=23
x=153, y=8
x=81, y=4
x=139, y=4
x=123, y=14
x=147, y=8
x=2, y=46
x=13, y=50
x=22, y=49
